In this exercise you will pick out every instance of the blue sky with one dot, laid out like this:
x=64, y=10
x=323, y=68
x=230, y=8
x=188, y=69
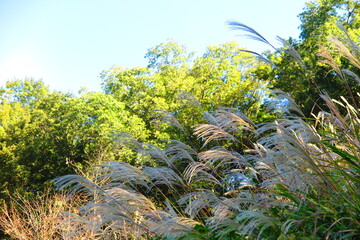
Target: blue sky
x=67, y=43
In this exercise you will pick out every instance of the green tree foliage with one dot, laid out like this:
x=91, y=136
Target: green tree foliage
x=24, y=92
x=319, y=19
x=319, y=23
x=221, y=77
x=43, y=134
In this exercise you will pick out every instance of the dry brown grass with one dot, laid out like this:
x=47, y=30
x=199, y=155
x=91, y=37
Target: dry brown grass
x=42, y=218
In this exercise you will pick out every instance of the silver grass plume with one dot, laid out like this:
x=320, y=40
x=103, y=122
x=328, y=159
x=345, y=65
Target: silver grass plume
x=210, y=132
x=251, y=33
x=290, y=50
x=199, y=172
x=220, y=157
x=167, y=118
x=163, y=176
x=282, y=102
x=178, y=152
x=224, y=123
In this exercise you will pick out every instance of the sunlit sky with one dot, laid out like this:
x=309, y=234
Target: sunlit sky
x=67, y=43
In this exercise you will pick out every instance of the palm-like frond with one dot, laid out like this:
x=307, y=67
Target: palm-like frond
x=260, y=57
x=291, y=51
x=179, y=152
x=233, y=122
x=122, y=174
x=188, y=99
x=209, y=118
x=199, y=172
x=210, y=132
x=163, y=176
x=167, y=118
x=174, y=227
x=156, y=153
x=283, y=103
x=78, y=184
x=346, y=52
x=199, y=200
x=246, y=223
x=220, y=157
x=111, y=218
x=353, y=47
x=351, y=74
x=223, y=124
x=255, y=221
x=328, y=59
x=125, y=139
x=251, y=33
x=289, y=151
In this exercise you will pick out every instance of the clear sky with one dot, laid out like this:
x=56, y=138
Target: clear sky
x=67, y=43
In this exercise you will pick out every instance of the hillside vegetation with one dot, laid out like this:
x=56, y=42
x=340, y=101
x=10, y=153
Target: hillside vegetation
x=233, y=144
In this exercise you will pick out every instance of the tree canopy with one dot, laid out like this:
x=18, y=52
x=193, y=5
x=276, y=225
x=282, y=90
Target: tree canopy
x=45, y=134
x=221, y=77
x=305, y=81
